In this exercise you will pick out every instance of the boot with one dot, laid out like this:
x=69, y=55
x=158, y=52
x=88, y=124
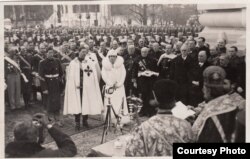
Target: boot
x=77, y=122
x=85, y=121
x=77, y=126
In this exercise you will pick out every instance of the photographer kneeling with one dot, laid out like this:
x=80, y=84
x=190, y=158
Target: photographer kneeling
x=29, y=136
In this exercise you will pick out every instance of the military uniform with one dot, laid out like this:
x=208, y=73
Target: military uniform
x=129, y=63
x=51, y=71
x=36, y=85
x=13, y=80
x=26, y=87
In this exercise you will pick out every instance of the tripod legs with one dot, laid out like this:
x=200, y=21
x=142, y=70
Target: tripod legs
x=106, y=124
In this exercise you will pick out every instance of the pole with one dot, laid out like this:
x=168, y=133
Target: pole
x=24, y=16
x=96, y=13
x=80, y=22
x=14, y=15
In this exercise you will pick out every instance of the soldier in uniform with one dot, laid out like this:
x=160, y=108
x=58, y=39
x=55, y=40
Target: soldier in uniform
x=123, y=31
x=39, y=56
x=137, y=30
x=131, y=30
x=13, y=79
x=25, y=59
x=51, y=70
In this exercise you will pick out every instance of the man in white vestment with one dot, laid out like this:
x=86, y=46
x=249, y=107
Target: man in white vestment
x=113, y=74
x=91, y=56
x=82, y=92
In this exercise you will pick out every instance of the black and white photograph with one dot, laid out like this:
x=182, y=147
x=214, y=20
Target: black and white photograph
x=103, y=79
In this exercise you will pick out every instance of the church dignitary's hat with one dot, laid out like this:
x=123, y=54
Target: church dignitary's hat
x=214, y=76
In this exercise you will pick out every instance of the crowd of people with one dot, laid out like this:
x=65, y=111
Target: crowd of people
x=93, y=68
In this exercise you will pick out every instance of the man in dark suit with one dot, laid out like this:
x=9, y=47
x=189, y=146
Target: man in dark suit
x=156, y=52
x=201, y=46
x=179, y=72
x=193, y=50
x=137, y=51
x=196, y=78
x=29, y=136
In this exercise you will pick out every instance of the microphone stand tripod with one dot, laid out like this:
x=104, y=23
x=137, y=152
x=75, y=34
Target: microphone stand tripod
x=107, y=122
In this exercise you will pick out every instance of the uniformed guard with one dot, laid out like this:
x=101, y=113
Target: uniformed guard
x=25, y=59
x=51, y=70
x=36, y=85
x=13, y=79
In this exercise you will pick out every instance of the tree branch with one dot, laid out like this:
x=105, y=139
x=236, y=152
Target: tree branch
x=138, y=13
x=138, y=7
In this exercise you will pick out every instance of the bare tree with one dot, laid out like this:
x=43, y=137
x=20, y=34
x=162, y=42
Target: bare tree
x=139, y=12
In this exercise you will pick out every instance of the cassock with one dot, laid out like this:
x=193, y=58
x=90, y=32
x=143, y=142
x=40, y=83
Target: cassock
x=91, y=97
x=112, y=74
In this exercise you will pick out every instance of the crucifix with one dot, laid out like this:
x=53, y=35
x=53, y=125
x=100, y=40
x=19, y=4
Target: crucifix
x=88, y=70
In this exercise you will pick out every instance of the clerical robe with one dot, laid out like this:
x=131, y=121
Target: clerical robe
x=155, y=137
x=217, y=119
x=91, y=101
x=92, y=57
x=112, y=74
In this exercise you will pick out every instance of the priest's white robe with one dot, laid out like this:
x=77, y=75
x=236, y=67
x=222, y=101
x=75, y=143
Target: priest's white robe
x=72, y=99
x=112, y=74
x=92, y=57
x=91, y=102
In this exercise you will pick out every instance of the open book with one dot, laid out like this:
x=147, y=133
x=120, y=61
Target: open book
x=182, y=111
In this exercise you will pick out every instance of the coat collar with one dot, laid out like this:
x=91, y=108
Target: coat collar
x=108, y=66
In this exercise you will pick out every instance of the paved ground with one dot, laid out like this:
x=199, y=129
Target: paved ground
x=11, y=118
x=85, y=139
